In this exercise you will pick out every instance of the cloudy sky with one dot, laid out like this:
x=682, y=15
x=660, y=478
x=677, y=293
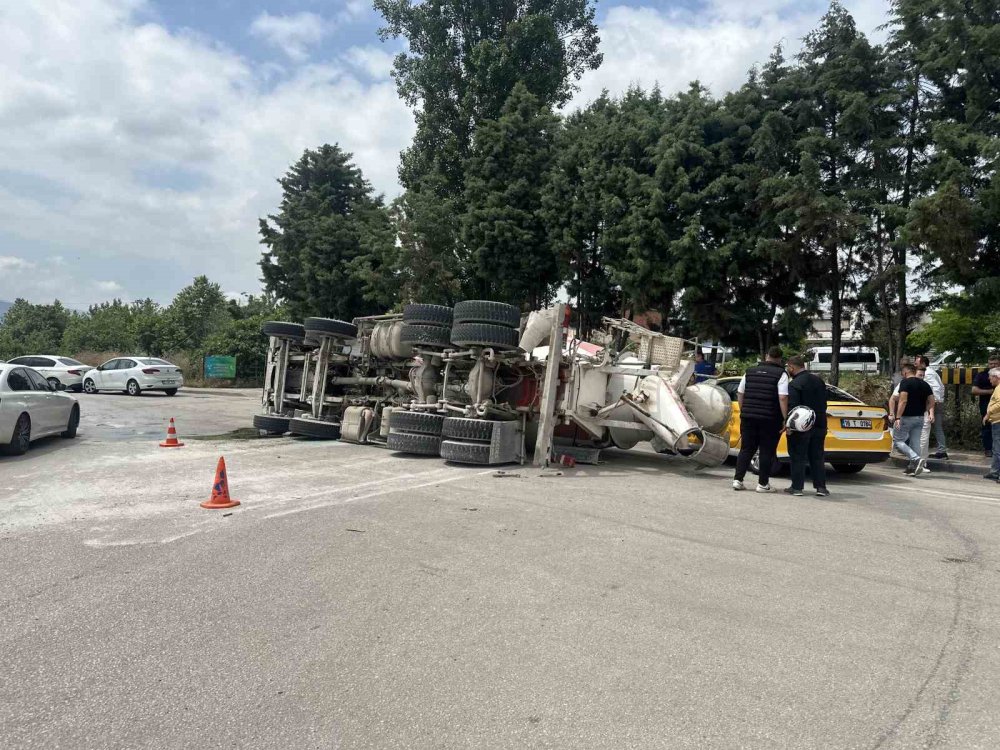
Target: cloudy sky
x=140, y=140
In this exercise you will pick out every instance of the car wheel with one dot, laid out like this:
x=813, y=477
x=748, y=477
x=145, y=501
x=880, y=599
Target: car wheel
x=21, y=439
x=171, y=391
x=89, y=386
x=54, y=382
x=848, y=468
x=73, y=424
x=132, y=388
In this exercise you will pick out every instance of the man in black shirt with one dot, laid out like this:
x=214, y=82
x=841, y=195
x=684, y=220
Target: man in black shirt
x=981, y=387
x=807, y=448
x=763, y=398
x=915, y=400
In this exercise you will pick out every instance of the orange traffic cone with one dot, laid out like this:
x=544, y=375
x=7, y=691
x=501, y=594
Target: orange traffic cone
x=220, y=490
x=171, y=441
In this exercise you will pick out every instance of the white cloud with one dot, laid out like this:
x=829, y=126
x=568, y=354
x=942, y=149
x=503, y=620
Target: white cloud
x=147, y=156
x=12, y=264
x=376, y=62
x=293, y=34
x=716, y=43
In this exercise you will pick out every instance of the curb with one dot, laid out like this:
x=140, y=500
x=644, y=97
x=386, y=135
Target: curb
x=943, y=466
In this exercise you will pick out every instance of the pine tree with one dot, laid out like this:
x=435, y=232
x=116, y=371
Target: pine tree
x=573, y=205
x=327, y=246
x=956, y=225
x=503, y=227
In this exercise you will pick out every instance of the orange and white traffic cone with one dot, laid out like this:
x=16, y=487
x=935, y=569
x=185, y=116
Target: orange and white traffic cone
x=171, y=441
x=220, y=490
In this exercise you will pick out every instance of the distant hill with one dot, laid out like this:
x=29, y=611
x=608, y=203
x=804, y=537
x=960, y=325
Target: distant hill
x=4, y=307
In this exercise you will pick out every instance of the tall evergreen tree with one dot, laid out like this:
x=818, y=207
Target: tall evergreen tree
x=574, y=206
x=831, y=196
x=462, y=61
x=328, y=244
x=503, y=227
x=954, y=47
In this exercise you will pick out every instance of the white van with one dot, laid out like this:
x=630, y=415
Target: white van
x=852, y=358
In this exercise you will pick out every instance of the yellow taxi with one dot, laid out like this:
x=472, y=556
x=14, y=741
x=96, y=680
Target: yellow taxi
x=856, y=434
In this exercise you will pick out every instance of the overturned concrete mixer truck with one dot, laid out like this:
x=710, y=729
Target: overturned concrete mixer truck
x=478, y=384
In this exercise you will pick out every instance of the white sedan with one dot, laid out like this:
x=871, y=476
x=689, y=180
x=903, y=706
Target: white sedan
x=30, y=409
x=56, y=369
x=133, y=375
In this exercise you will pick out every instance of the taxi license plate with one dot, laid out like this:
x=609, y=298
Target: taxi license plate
x=860, y=424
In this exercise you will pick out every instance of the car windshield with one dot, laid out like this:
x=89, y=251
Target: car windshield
x=841, y=395
x=154, y=362
x=71, y=362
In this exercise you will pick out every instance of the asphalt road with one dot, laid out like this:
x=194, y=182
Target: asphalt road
x=361, y=599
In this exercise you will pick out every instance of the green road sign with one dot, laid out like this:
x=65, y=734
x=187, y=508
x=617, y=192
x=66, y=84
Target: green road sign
x=220, y=367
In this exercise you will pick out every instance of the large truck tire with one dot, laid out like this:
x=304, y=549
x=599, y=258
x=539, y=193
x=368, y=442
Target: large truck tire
x=484, y=334
x=423, y=335
x=460, y=428
x=282, y=330
x=317, y=327
x=422, y=423
x=428, y=315
x=270, y=424
x=485, y=311
x=465, y=453
x=314, y=428
x=408, y=442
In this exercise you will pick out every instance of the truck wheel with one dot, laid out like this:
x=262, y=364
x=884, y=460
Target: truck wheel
x=484, y=334
x=421, y=423
x=475, y=430
x=485, y=311
x=283, y=330
x=428, y=315
x=465, y=453
x=316, y=327
x=314, y=428
x=408, y=442
x=271, y=425
x=423, y=335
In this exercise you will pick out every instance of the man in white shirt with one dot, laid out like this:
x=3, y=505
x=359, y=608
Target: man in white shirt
x=937, y=387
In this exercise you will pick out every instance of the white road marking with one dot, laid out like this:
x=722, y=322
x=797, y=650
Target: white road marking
x=978, y=499
x=442, y=480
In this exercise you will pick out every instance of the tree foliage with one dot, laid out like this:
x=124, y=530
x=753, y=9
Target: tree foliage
x=504, y=228
x=330, y=246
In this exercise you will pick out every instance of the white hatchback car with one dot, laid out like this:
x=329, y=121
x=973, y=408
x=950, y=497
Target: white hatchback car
x=133, y=375
x=56, y=369
x=30, y=409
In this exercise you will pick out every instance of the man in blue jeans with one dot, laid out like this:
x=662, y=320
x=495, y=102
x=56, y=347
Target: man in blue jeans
x=915, y=400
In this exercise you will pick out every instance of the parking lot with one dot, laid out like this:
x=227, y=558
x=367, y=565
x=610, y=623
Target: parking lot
x=359, y=598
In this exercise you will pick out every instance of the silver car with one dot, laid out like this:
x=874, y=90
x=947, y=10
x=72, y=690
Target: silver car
x=133, y=375
x=30, y=408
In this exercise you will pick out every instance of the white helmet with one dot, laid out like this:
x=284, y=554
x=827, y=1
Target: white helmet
x=801, y=419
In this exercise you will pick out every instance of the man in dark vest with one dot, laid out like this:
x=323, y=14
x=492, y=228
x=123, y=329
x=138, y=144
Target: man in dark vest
x=763, y=398
x=807, y=448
